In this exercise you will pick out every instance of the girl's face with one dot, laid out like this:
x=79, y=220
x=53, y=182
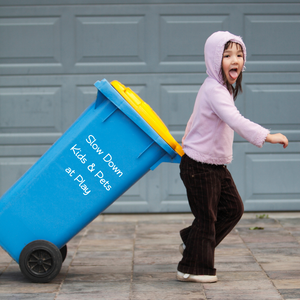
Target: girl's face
x=233, y=62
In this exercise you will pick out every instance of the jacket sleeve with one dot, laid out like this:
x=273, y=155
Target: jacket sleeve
x=223, y=106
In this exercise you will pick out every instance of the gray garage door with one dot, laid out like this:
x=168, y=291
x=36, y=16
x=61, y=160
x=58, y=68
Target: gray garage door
x=52, y=52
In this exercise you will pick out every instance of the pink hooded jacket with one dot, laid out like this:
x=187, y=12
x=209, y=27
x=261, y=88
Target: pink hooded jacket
x=210, y=130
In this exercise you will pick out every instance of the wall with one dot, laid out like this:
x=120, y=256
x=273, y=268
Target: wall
x=52, y=52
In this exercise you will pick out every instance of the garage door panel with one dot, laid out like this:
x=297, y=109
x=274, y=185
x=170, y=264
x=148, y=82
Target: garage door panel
x=33, y=40
x=12, y=168
x=111, y=39
x=135, y=199
x=273, y=105
x=267, y=178
x=114, y=39
x=15, y=160
x=271, y=99
x=177, y=36
x=177, y=102
x=30, y=109
x=173, y=190
x=40, y=45
x=271, y=38
x=263, y=169
x=85, y=96
x=283, y=48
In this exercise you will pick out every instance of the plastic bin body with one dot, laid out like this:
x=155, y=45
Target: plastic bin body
x=101, y=155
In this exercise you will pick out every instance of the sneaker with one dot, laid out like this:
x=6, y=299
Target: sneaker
x=181, y=248
x=196, y=278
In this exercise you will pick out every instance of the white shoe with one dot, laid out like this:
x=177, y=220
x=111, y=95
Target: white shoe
x=196, y=278
x=182, y=248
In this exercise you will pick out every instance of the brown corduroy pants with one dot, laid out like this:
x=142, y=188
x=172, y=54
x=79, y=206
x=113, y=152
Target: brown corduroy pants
x=216, y=206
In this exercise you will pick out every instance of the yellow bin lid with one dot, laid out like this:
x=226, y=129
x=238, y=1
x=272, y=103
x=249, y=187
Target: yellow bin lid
x=148, y=114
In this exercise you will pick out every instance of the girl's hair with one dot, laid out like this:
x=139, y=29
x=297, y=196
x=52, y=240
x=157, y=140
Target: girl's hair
x=238, y=84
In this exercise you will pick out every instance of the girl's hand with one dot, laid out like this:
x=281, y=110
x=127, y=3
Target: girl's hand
x=277, y=138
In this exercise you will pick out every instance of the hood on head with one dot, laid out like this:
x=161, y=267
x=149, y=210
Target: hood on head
x=213, y=52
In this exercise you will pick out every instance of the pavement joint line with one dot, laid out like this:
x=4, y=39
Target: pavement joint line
x=263, y=271
x=70, y=264
x=11, y=261
x=132, y=261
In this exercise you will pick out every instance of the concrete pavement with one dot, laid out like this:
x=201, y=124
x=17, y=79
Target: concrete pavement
x=135, y=257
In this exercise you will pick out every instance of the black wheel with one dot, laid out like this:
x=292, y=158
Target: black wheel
x=63, y=251
x=40, y=261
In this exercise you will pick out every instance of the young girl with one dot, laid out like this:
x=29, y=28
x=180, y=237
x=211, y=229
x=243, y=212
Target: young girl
x=212, y=194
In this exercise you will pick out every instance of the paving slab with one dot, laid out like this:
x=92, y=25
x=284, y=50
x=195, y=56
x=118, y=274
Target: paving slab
x=94, y=296
x=290, y=294
x=135, y=256
x=29, y=296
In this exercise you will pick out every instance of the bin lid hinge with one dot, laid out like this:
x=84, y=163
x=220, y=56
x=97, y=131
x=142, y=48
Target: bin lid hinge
x=168, y=159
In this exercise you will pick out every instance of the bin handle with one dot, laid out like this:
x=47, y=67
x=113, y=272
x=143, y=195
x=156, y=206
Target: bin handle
x=168, y=159
x=99, y=99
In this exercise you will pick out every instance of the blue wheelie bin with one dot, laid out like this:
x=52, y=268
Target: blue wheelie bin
x=116, y=141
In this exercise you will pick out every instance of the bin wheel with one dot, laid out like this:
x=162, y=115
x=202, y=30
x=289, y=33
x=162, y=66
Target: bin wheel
x=63, y=251
x=40, y=261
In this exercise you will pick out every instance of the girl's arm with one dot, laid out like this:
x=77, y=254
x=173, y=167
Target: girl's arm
x=277, y=138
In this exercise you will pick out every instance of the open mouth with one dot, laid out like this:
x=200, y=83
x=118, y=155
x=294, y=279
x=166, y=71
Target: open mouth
x=233, y=73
